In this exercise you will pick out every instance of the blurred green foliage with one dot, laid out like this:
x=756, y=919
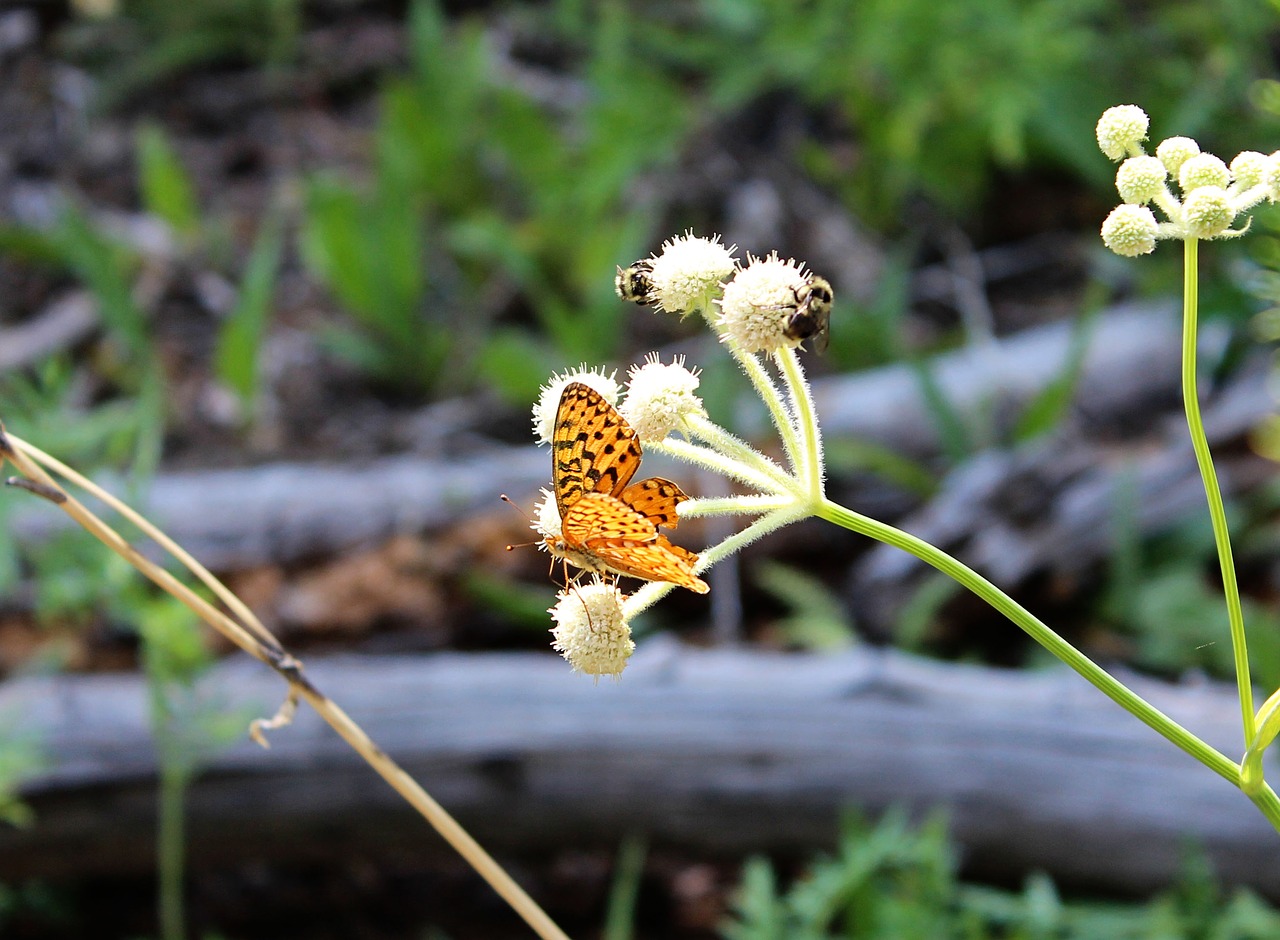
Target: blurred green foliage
x=508, y=195
x=76, y=244
x=816, y=618
x=936, y=99
x=1161, y=596
x=148, y=41
x=892, y=879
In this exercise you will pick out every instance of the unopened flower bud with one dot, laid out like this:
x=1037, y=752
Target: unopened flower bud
x=1204, y=169
x=1130, y=230
x=1207, y=211
x=1176, y=151
x=1140, y=179
x=1121, y=129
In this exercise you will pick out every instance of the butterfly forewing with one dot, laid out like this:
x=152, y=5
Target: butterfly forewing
x=593, y=450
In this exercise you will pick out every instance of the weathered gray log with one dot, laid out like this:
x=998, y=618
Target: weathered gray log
x=66, y=321
x=723, y=752
x=1132, y=357
x=284, y=513
x=1054, y=508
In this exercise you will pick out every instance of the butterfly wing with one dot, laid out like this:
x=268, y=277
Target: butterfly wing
x=658, y=560
x=598, y=518
x=593, y=449
x=656, y=499
x=626, y=542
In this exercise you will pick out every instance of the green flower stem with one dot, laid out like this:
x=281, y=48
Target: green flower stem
x=751, y=504
x=755, y=474
x=802, y=405
x=729, y=444
x=1213, y=494
x=1040, y=632
x=769, y=394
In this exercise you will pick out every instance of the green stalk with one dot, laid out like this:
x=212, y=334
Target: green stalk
x=171, y=848
x=1213, y=494
x=1042, y=634
x=806, y=420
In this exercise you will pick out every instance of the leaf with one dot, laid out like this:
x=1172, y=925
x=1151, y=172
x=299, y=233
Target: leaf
x=1049, y=406
x=167, y=190
x=236, y=355
x=818, y=620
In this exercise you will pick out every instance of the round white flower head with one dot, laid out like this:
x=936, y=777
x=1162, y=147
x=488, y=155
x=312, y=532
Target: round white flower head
x=759, y=301
x=660, y=398
x=544, y=411
x=1176, y=151
x=590, y=631
x=1204, y=169
x=1250, y=169
x=1207, y=212
x=686, y=275
x=1121, y=129
x=1140, y=179
x=546, y=518
x=1130, y=230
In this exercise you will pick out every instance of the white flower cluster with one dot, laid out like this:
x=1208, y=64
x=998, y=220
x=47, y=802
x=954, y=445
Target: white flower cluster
x=770, y=306
x=1213, y=194
x=591, y=631
x=660, y=398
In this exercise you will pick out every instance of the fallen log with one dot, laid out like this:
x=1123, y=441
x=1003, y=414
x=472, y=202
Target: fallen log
x=722, y=752
x=289, y=513
x=1056, y=508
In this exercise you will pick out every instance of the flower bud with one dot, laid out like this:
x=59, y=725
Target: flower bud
x=1140, y=179
x=1130, y=230
x=1250, y=169
x=1204, y=169
x=1121, y=129
x=1176, y=151
x=1207, y=211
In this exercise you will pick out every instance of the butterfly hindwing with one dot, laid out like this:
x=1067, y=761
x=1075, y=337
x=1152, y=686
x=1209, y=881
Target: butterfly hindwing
x=658, y=560
x=598, y=519
x=655, y=499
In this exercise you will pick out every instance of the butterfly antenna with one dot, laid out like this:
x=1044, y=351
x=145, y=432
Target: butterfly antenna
x=512, y=503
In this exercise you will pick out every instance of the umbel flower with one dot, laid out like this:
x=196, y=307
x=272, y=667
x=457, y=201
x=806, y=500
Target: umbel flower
x=602, y=523
x=1213, y=194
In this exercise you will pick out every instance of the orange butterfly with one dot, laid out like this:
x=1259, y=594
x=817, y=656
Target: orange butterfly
x=608, y=523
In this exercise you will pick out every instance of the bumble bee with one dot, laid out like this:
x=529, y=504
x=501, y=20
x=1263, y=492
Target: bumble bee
x=811, y=314
x=632, y=283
